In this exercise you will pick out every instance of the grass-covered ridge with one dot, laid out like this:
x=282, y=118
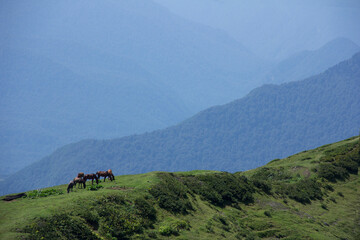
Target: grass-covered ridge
x=311, y=195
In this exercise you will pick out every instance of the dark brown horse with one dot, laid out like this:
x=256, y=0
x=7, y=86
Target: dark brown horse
x=105, y=174
x=80, y=181
x=91, y=176
x=80, y=175
x=70, y=186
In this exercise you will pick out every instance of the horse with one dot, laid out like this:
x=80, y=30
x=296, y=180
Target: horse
x=80, y=175
x=111, y=174
x=80, y=181
x=70, y=186
x=91, y=176
x=105, y=174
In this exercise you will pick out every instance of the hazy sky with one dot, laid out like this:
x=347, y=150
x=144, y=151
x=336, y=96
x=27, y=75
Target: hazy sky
x=276, y=28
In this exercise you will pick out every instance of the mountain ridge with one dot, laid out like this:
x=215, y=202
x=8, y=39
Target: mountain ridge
x=308, y=63
x=237, y=136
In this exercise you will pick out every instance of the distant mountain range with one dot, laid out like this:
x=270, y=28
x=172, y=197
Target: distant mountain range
x=307, y=63
x=275, y=29
x=68, y=74
x=106, y=69
x=272, y=121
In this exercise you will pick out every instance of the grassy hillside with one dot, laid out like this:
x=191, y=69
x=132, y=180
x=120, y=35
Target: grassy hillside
x=311, y=195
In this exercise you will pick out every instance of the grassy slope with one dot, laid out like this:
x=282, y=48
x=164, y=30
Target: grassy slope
x=286, y=217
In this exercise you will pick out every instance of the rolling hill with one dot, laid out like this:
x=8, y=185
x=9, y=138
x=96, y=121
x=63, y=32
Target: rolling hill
x=310, y=195
x=272, y=121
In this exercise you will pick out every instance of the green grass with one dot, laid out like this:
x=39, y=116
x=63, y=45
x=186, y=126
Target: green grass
x=335, y=216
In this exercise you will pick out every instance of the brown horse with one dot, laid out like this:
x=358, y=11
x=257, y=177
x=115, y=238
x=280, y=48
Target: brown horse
x=91, y=176
x=111, y=174
x=80, y=175
x=105, y=174
x=80, y=181
x=70, y=186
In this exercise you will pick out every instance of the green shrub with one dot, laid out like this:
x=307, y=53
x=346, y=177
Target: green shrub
x=332, y=172
x=59, y=226
x=267, y=213
x=304, y=191
x=324, y=206
x=339, y=162
x=94, y=187
x=44, y=193
x=145, y=209
x=117, y=222
x=152, y=234
x=262, y=185
x=209, y=226
x=221, y=188
x=174, y=228
x=340, y=194
x=167, y=231
x=329, y=187
x=171, y=194
x=348, y=164
x=180, y=225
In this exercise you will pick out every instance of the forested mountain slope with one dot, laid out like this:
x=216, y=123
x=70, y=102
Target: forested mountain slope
x=310, y=195
x=272, y=121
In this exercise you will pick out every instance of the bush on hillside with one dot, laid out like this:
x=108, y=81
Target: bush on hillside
x=348, y=164
x=171, y=194
x=221, y=189
x=332, y=172
x=118, y=223
x=115, y=217
x=339, y=162
x=262, y=185
x=304, y=191
x=59, y=226
x=145, y=209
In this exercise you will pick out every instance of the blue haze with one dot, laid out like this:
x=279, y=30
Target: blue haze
x=73, y=70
